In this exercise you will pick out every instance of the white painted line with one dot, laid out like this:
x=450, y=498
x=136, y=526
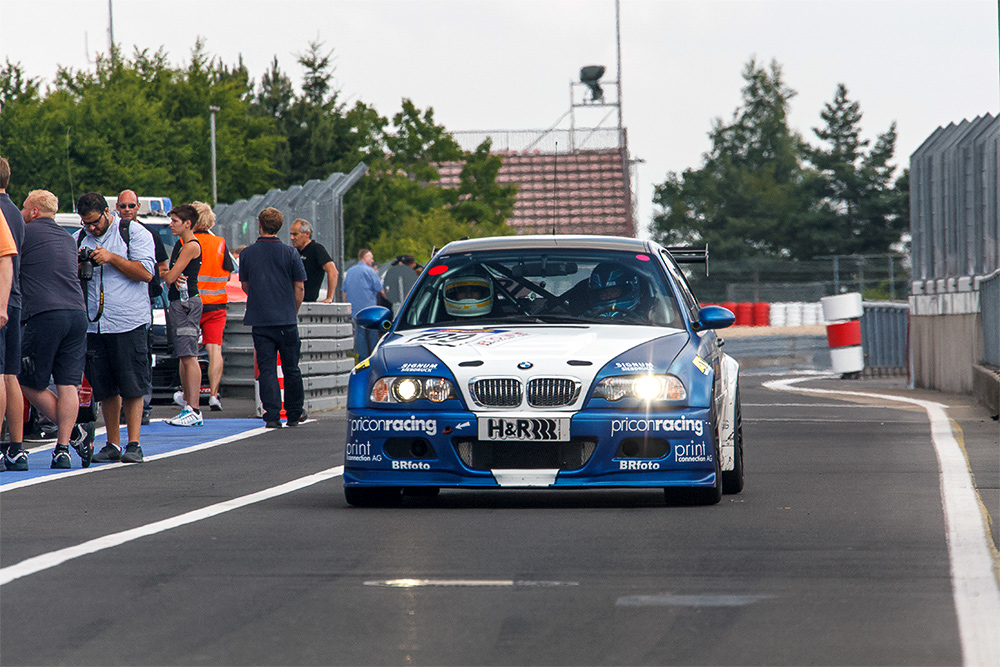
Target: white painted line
x=974, y=583
x=842, y=406
x=707, y=600
x=54, y=558
x=813, y=420
x=115, y=466
x=473, y=583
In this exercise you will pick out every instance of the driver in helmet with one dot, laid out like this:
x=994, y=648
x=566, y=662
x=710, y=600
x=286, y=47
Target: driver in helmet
x=469, y=293
x=614, y=291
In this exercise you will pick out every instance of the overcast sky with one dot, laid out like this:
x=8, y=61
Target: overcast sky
x=507, y=64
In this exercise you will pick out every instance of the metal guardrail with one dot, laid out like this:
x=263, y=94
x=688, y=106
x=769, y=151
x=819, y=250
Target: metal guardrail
x=989, y=307
x=885, y=339
x=327, y=354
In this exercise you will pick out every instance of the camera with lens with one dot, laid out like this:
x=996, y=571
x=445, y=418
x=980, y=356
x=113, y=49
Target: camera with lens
x=86, y=268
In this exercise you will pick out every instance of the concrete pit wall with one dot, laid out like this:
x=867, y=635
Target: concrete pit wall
x=326, y=360
x=945, y=349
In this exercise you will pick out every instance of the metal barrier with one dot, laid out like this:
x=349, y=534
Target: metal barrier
x=954, y=200
x=319, y=202
x=885, y=338
x=326, y=360
x=989, y=307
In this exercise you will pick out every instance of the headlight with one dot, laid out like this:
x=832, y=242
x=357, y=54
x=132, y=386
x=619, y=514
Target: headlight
x=641, y=387
x=391, y=389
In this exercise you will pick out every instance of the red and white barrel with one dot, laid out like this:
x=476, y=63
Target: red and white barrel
x=843, y=331
x=256, y=386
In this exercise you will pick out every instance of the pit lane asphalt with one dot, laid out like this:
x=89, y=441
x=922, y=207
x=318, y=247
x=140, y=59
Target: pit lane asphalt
x=835, y=553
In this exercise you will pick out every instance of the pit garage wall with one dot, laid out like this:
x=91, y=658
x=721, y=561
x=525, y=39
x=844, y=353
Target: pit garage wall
x=955, y=234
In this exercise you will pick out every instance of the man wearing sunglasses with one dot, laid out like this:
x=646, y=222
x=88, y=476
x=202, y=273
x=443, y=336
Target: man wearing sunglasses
x=117, y=299
x=128, y=209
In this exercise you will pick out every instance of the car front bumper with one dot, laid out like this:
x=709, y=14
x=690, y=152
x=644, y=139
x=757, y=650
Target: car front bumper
x=605, y=449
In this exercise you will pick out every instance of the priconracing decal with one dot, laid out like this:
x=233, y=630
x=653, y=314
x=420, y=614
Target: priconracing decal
x=681, y=424
x=702, y=365
x=367, y=425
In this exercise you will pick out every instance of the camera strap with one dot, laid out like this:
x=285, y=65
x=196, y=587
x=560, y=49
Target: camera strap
x=100, y=300
x=125, y=232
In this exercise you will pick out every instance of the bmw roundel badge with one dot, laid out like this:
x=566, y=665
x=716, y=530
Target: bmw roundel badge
x=525, y=365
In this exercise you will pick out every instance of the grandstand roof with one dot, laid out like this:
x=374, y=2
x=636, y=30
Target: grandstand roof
x=580, y=192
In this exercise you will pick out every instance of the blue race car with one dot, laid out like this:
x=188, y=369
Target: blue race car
x=546, y=361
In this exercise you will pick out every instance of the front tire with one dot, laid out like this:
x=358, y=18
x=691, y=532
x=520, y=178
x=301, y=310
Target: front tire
x=732, y=480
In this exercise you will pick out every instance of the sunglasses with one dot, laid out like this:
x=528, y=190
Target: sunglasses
x=127, y=205
x=92, y=222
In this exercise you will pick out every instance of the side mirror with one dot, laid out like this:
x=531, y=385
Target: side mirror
x=713, y=317
x=377, y=317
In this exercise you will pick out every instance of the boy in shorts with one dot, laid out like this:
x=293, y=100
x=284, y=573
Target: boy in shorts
x=184, y=319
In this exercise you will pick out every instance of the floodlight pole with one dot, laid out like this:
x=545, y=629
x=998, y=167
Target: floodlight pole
x=618, y=46
x=111, y=33
x=215, y=191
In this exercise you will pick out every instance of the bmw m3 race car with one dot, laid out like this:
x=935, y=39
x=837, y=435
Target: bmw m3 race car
x=546, y=361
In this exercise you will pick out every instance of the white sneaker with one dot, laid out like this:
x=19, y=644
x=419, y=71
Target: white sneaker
x=187, y=417
x=214, y=403
x=179, y=398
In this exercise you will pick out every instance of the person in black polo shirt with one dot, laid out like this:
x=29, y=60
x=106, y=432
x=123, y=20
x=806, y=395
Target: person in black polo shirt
x=273, y=278
x=316, y=260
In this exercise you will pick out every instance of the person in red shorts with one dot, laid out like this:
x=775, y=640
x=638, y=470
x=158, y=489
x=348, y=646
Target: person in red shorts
x=216, y=265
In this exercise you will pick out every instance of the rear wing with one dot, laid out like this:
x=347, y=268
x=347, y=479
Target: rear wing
x=689, y=255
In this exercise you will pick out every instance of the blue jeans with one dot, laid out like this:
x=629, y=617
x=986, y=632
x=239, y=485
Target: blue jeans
x=268, y=343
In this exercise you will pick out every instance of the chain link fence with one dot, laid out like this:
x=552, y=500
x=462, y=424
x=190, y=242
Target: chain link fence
x=876, y=277
x=319, y=202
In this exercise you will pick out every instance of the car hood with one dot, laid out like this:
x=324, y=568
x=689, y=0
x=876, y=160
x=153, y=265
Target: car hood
x=573, y=351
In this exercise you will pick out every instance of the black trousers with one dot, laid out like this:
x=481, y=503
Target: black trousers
x=268, y=343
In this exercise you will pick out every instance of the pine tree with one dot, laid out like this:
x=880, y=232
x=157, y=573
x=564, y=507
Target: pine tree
x=854, y=208
x=745, y=199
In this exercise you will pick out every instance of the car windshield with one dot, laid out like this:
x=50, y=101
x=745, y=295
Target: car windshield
x=542, y=286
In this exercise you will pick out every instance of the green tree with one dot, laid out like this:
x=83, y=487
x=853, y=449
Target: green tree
x=745, y=199
x=143, y=124
x=136, y=123
x=419, y=233
x=479, y=198
x=855, y=207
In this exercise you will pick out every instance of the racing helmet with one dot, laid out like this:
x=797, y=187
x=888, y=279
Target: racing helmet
x=613, y=288
x=469, y=293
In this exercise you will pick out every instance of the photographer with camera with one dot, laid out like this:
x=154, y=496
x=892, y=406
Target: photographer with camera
x=54, y=337
x=121, y=262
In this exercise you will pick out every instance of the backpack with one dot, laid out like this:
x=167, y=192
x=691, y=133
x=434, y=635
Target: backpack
x=124, y=230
